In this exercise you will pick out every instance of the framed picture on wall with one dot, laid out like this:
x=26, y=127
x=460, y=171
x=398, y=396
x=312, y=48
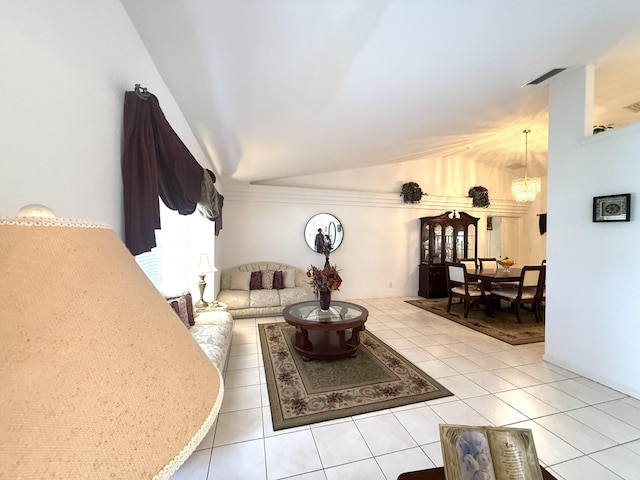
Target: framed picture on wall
x=612, y=208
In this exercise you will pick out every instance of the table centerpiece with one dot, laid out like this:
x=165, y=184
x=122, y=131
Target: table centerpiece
x=506, y=263
x=324, y=281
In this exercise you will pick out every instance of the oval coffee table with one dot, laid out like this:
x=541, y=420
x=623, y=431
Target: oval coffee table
x=321, y=334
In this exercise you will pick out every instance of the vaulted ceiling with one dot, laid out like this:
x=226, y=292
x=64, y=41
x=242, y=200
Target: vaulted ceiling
x=282, y=88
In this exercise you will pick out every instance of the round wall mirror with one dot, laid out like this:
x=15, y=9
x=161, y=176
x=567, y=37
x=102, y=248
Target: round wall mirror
x=321, y=227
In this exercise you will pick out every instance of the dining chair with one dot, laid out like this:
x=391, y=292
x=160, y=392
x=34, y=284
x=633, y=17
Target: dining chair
x=458, y=286
x=491, y=264
x=488, y=263
x=529, y=291
x=470, y=263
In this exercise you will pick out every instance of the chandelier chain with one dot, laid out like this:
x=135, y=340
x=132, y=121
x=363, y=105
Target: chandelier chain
x=526, y=132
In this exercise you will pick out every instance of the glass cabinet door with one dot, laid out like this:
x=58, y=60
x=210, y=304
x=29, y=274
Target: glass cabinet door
x=437, y=244
x=449, y=243
x=471, y=242
x=424, y=244
x=460, y=243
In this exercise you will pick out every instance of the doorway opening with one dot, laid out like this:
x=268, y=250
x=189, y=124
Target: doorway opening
x=494, y=232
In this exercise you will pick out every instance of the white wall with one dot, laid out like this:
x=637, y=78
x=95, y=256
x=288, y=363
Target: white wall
x=65, y=68
x=378, y=256
x=450, y=177
x=592, y=325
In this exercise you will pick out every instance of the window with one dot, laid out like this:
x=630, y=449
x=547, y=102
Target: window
x=150, y=264
x=172, y=265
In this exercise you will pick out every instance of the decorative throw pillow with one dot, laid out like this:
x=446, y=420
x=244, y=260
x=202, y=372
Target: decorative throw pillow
x=267, y=279
x=183, y=306
x=175, y=305
x=278, y=281
x=289, y=277
x=256, y=281
x=240, y=280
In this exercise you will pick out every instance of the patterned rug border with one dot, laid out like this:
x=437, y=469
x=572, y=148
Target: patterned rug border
x=279, y=422
x=516, y=335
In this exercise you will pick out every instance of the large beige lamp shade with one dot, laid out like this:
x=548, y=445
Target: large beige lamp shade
x=98, y=376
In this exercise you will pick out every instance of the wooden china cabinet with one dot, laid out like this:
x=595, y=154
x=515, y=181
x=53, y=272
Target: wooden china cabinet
x=444, y=238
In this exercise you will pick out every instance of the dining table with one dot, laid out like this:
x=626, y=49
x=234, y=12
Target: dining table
x=488, y=276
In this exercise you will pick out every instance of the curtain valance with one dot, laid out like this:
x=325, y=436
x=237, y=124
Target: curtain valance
x=156, y=162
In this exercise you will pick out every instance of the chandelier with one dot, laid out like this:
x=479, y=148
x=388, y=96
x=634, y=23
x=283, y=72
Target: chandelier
x=525, y=189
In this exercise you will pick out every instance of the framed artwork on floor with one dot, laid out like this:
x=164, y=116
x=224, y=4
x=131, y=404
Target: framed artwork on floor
x=612, y=208
x=472, y=452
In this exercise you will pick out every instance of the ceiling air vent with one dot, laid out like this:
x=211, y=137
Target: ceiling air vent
x=546, y=76
x=634, y=107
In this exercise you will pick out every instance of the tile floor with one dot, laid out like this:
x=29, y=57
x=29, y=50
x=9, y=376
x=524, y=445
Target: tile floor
x=582, y=430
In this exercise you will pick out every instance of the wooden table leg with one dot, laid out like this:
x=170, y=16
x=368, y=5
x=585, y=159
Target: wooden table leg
x=302, y=339
x=354, y=340
x=488, y=299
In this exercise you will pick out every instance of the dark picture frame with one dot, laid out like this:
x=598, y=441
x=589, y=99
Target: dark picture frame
x=612, y=208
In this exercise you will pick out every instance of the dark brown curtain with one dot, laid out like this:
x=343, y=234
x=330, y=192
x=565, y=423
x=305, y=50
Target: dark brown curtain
x=155, y=163
x=139, y=176
x=542, y=223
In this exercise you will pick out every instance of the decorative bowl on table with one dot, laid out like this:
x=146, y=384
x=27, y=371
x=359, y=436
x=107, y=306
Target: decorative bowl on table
x=506, y=263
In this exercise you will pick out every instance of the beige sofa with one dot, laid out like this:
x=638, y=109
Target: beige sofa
x=244, y=301
x=211, y=330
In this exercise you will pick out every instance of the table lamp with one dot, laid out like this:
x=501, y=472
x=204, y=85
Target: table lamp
x=99, y=378
x=204, y=267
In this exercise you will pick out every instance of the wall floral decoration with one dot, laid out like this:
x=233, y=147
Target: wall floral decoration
x=411, y=192
x=480, y=196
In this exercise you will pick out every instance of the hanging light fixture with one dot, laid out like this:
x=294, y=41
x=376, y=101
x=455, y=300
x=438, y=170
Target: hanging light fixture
x=525, y=189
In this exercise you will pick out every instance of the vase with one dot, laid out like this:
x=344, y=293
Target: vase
x=325, y=299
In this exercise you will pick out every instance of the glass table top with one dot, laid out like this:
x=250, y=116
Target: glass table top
x=337, y=312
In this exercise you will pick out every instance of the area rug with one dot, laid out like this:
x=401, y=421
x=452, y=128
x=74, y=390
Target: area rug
x=302, y=392
x=503, y=325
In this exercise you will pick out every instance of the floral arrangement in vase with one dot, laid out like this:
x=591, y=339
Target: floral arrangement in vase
x=480, y=196
x=506, y=263
x=411, y=192
x=326, y=278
